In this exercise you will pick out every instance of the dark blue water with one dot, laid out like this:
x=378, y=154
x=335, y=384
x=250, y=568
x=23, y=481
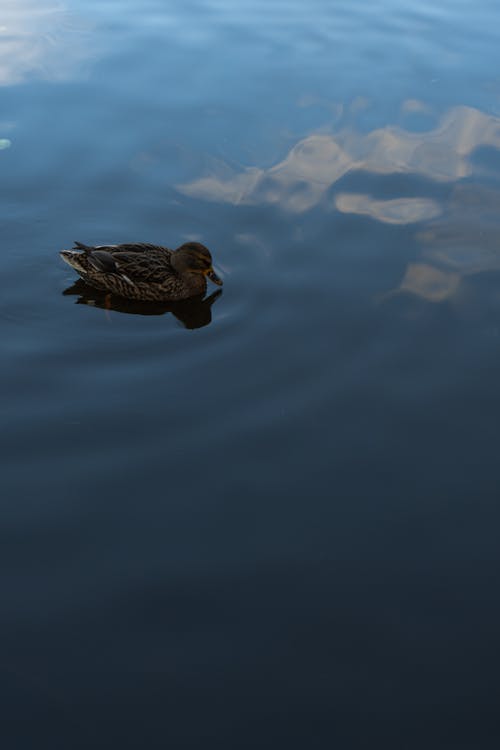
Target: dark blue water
x=270, y=519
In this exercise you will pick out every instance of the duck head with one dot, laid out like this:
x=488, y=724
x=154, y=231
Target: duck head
x=195, y=258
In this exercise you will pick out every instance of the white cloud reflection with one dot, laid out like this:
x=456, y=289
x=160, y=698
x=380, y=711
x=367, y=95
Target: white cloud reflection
x=429, y=282
x=460, y=244
x=397, y=211
x=316, y=163
x=39, y=39
x=462, y=234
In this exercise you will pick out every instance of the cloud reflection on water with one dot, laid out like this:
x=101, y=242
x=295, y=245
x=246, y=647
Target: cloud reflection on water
x=300, y=181
x=397, y=211
x=39, y=40
x=429, y=282
x=464, y=242
x=462, y=235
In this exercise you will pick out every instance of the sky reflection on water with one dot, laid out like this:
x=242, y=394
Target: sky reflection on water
x=317, y=162
x=41, y=40
x=267, y=518
x=306, y=179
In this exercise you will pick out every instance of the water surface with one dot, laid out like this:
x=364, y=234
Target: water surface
x=268, y=519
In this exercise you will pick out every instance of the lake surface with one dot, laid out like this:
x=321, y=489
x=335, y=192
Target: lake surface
x=268, y=519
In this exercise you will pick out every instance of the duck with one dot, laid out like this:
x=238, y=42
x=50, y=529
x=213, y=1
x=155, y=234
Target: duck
x=144, y=272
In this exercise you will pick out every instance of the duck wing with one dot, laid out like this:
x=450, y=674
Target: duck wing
x=136, y=266
x=132, y=247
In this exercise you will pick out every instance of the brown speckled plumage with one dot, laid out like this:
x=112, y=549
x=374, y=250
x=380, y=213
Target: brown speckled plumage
x=145, y=272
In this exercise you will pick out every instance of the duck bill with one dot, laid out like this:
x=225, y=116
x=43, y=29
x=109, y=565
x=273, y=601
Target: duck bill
x=213, y=277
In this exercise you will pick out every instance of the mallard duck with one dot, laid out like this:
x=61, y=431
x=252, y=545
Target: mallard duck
x=144, y=272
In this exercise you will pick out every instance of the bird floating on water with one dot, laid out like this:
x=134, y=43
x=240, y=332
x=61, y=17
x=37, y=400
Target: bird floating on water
x=144, y=272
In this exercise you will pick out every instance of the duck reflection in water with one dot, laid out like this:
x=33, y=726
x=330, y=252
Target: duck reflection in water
x=194, y=312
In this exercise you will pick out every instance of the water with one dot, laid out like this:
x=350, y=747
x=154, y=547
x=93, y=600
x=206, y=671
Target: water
x=268, y=519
